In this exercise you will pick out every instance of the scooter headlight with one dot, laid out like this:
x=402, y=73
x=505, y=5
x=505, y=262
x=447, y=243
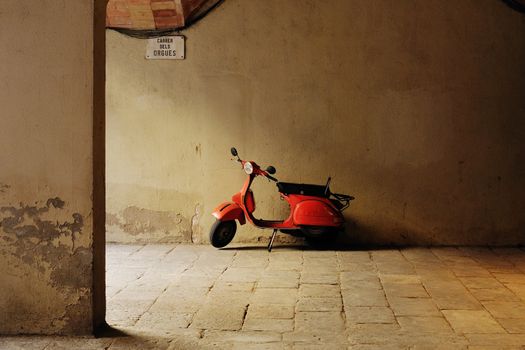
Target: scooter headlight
x=248, y=168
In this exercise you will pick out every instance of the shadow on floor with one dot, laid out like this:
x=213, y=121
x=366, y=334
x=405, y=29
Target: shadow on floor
x=148, y=339
x=320, y=246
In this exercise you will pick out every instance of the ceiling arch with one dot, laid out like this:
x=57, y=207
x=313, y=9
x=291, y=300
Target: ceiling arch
x=156, y=15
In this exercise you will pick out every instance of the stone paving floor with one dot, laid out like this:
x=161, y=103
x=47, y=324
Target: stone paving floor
x=197, y=297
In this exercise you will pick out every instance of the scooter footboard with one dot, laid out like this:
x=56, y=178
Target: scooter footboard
x=229, y=211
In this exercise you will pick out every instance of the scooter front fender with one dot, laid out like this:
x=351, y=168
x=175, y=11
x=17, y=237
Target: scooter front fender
x=316, y=213
x=228, y=211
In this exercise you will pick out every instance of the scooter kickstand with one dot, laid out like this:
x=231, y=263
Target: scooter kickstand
x=270, y=244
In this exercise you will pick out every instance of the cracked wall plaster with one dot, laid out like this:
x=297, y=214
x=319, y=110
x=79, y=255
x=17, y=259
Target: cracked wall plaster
x=43, y=240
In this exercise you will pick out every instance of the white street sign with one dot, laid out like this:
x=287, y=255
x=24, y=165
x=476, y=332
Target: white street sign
x=165, y=48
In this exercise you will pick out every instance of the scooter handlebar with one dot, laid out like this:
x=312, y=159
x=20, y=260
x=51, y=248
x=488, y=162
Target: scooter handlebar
x=271, y=177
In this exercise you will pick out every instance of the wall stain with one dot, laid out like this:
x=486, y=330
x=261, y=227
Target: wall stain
x=195, y=228
x=4, y=188
x=137, y=221
x=29, y=235
x=112, y=220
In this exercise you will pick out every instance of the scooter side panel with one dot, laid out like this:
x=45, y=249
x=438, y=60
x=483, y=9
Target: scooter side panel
x=316, y=213
x=228, y=211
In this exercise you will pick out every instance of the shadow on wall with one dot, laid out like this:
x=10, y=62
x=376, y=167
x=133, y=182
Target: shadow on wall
x=461, y=203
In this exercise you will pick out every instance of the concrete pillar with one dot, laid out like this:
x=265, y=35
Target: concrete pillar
x=51, y=166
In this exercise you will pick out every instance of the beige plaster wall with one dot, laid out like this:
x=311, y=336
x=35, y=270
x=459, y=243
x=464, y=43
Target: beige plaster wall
x=414, y=107
x=46, y=166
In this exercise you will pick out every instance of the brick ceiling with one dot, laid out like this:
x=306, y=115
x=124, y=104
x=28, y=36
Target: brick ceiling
x=155, y=14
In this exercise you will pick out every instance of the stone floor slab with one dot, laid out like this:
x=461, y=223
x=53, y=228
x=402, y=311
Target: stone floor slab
x=400, y=279
x=265, y=346
x=319, y=291
x=270, y=311
x=320, y=278
x=470, y=271
x=316, y=337
x=413, y=307
x=320, y=304
x=372, y=283
x=450, y=294
x=517, y=289
x=242, y=336
x=268, y=324
x=518, y=278
x=363, y=297
x=480, y=282
x=163, y=321
x=282, y=296
x=502, y=341
x=319, y=346
x=495, y=294
x=241, y=274
x=278, y=283
x=219, y=316
x=384, y=335
x=405, y=290
x=358, y=275
x=369, y=315
x=357, y=267
x=319, y=322
x=472, y=321
x=396, y=268
x=513, y=325
x=505, y=309
x=279, y=279
x=422, y=324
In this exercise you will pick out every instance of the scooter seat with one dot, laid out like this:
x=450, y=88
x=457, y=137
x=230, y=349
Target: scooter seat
x=304, y=189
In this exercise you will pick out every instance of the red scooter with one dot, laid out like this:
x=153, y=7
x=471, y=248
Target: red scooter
x=315, y=212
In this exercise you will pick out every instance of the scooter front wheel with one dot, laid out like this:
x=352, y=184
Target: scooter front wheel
x=222, y=233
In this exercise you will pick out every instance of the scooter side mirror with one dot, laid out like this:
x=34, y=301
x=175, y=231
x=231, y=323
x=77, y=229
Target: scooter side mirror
x=233, y=150
x=271, y=170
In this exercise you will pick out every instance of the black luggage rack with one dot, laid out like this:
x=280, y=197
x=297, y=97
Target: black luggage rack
x=341, y=201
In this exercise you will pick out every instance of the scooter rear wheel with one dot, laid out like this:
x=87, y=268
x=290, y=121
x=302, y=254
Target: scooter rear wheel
x=222, y=233
x=320, y=236
x=320, y=232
